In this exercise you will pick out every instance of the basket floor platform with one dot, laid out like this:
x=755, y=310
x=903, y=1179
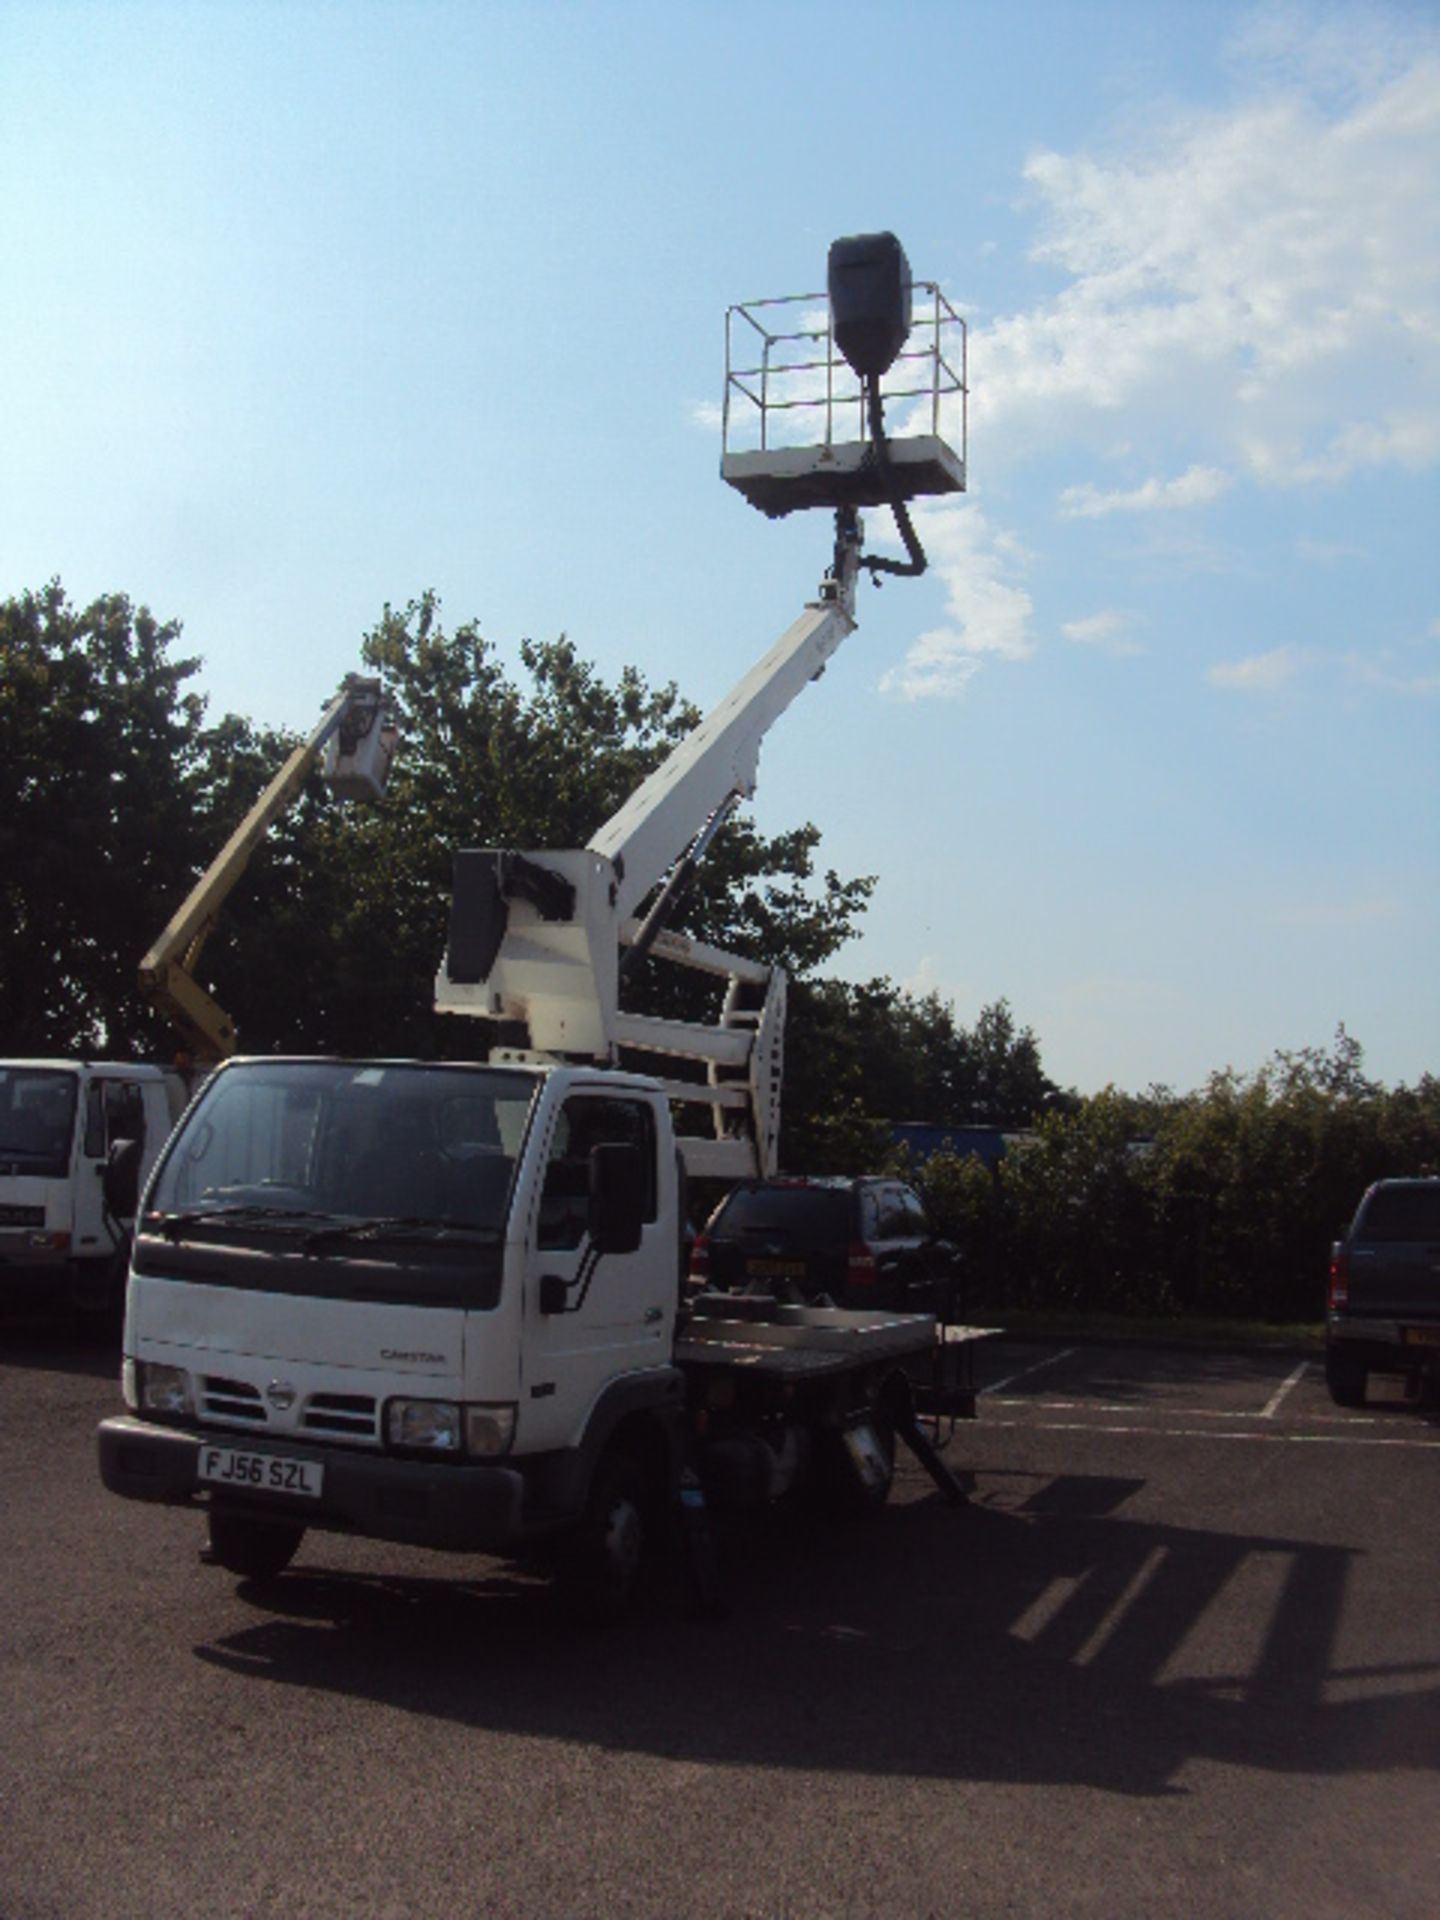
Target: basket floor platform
x=781, y=480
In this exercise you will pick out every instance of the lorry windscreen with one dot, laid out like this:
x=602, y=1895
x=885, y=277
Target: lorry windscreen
x=37, y=1120
x=296, y=1143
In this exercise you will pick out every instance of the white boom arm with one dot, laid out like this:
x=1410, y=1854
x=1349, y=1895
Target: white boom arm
x=535, y=938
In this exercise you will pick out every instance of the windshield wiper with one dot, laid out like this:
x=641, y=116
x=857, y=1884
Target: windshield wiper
x=395, y=1227
x=172, y=1225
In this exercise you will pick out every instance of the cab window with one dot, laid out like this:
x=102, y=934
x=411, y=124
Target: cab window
x=587, y=1121
x=114, y=1110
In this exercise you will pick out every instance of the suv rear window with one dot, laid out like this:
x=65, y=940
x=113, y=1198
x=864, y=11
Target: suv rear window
x=815, y=1214
x=1401, y=1213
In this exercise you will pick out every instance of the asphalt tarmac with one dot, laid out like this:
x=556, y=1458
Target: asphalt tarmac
x=1180, y=1651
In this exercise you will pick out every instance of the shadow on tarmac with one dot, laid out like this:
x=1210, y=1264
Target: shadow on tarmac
x=86, y=1344
x=1029, y=1645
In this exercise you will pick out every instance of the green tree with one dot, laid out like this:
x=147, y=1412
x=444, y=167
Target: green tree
x=99, y=746
x=885, y=1055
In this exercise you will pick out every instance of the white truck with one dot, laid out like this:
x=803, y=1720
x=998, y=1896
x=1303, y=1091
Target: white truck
x=60, y=1242
x=444, y=1303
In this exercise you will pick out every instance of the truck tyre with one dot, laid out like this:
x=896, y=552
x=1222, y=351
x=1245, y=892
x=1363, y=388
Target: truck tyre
x=602, y=1561
x=254, y=1549
x=1346, y=1378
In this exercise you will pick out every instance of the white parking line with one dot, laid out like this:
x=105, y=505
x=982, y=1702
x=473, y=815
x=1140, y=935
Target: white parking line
x=1272, y=1405
x=1269, y=1434
x=999, y=1386
x=1207, y=1413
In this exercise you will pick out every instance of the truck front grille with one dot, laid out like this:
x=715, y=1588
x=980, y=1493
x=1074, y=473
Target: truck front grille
x=352, y=1414
x=349, y=1416
x=232, y=1400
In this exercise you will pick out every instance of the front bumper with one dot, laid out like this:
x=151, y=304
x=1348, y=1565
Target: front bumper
x=461, y=1508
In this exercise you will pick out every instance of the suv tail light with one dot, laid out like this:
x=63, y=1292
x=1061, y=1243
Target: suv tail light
x=1338, y=1296
x=860, y=1264
x=700, y=1258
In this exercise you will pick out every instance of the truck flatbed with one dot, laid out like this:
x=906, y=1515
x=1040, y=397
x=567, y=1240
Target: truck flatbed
x=787, y=1342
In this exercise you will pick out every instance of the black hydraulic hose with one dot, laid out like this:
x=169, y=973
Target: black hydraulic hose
x=917, y=562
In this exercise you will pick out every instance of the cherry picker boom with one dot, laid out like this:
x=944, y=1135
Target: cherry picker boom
x=540, y=939
x=353, y=741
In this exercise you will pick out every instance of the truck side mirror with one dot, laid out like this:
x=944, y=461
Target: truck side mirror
x=617, y=1197
x=120, y=1177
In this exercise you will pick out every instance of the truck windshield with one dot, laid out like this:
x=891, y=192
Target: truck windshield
x=282, y=1141
x=37, y=1120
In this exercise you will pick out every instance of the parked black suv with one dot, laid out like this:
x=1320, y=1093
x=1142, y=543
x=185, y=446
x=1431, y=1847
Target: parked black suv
x=858, y=1243
x=1383, y=1310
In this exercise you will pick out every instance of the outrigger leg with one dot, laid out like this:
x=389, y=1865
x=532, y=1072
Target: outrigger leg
x=909, y=1429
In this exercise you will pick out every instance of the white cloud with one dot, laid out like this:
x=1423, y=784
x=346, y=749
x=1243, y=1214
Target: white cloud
x=926, y=977
x=1334, y=915
x=1266, y=279
x=1413, y=443
x=1192, y=488
x=1390, y=675
x=989, y=612
x=1329, y=552
x=1260, y=673
x=1107, y=630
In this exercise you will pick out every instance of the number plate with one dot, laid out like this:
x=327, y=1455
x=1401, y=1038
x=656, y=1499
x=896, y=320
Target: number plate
x=775, y=1269
x=1422, y=1336
x=261, y=1472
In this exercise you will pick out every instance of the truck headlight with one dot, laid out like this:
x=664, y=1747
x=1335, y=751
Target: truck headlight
x=489, y=1430
x=447, y=1426
x=430, y=1425
x=163, y=1389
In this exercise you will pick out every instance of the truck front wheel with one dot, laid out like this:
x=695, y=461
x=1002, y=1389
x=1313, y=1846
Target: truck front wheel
x=254, y=1549
x=602, y=1561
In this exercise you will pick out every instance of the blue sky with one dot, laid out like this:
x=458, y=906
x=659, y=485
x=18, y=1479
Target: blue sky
x=306, y=308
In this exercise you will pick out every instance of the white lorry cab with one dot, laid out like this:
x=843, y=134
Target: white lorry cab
x=60, y=1240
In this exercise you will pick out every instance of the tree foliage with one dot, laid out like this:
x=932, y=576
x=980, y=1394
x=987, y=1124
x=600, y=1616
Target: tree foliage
x=1222, y=1202
x=861, y=1057
x=117, y=796
x=101, y=814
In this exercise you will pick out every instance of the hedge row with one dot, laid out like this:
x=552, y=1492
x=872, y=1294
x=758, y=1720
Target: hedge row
x=1220, y=1203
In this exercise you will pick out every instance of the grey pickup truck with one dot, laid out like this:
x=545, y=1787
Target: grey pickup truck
x=1383, y=1310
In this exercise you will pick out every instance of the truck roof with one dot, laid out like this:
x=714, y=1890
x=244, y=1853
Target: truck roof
x=105, y=1069
x=579, y=1072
